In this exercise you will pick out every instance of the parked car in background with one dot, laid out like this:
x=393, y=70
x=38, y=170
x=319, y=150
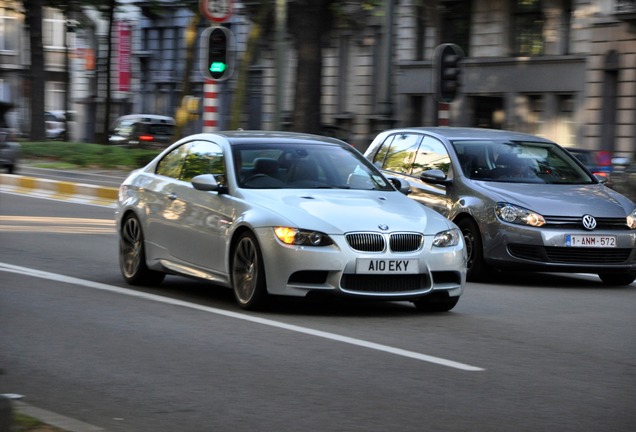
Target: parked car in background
x=624, y=177
x=280, y=213
x=522, y=202
x=56, y=122
x=599, y=163
x=143, y=131
x=9, y=148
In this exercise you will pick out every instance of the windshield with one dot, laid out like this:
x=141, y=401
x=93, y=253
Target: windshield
x=276, y=166
x=519, y=162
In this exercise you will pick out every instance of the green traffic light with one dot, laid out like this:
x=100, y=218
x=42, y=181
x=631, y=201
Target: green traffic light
x=218, y=67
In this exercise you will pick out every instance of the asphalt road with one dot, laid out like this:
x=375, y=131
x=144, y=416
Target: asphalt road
x=524, y=353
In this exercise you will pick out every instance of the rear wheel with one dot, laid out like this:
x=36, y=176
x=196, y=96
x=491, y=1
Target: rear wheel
x=439, y=302
x=248, y=273
x=476, y=268
x=132, y=255
x=617, y=279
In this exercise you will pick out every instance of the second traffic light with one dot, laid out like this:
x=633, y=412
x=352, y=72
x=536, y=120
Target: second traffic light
x=447, y=71
x=217, y=53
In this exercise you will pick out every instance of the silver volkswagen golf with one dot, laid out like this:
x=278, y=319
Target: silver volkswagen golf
x=273, y=213
x=522, y=202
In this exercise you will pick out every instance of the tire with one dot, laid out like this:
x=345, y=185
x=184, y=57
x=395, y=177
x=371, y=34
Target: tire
x=436, y=303
x=617, y=279
x=477, y=268
x=248, y=273
x=132, y=255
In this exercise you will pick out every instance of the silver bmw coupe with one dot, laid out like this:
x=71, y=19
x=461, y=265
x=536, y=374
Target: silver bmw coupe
x=281, y=213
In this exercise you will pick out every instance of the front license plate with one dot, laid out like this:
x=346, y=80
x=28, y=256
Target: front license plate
x=590, y=241
x=387, y=266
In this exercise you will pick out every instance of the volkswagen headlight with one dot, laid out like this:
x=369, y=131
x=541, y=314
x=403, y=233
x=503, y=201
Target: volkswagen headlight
x=518, y=215
x=631, y=219
x=300, y=237
x=447, y=238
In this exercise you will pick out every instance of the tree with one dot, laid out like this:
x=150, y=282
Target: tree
x=33, y=18
x=309, y=22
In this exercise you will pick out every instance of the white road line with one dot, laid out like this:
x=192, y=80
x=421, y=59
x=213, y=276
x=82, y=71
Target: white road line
x=326, y=335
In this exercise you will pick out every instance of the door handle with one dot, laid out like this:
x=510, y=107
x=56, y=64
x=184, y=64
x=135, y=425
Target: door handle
x=172, y=196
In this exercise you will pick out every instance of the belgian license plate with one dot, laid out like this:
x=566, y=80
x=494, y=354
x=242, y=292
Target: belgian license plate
x=387, y=266
x=590, y=241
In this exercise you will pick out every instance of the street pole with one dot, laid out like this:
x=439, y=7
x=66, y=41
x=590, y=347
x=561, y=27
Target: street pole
x=281, y=20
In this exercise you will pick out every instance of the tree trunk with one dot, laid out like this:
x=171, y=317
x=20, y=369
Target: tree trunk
x=256, y=30
x=308, y=21
x=182, y=115
x=33, y=10
x=112, y=4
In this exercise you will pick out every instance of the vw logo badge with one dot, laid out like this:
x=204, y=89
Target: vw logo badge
x=589, y=222
x=383, y=227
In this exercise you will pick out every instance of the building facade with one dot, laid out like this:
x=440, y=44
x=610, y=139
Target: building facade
x=564, y=69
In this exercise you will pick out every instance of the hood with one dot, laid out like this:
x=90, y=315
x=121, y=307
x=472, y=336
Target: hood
x=564, y=200
x=334, y=211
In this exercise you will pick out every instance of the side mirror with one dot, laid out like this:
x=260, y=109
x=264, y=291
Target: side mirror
x=399, y=185
x=435, y=176
x=602, y=179
x=208, y=183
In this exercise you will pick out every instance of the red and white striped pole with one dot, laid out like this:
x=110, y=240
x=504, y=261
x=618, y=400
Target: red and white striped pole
x=210, y=106
x=443, y=113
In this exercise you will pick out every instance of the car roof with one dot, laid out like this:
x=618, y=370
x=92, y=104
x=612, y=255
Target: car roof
x=147, y=117
x=281, y=137
x=455, y=133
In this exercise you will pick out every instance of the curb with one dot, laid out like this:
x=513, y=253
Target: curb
x=60, y=190
x=53, y=419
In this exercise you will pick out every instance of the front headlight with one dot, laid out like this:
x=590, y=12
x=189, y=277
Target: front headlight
x=447, y=238
x=631, y=219
x=299, y=237
x=514, y=214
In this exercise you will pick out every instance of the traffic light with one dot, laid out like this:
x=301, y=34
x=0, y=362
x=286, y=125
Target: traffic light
x=447, y=71
x=217, y=54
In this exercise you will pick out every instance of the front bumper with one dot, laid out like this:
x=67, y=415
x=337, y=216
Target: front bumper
x=528, y=248
x=298, y=270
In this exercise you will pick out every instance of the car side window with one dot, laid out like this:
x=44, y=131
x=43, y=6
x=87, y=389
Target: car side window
x=431, y=155
x=171, y=164
x=204, y=157
x=399, y=153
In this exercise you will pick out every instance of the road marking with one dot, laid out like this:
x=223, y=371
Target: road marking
x=264, y=321
x=63, y=225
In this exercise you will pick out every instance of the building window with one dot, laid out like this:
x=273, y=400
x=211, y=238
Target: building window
x=54, y=95
x=455, y=18
x=566, y=130
x=53, y=29
x=9, y=31
x=163, y=43
x=527, y=28
x=534, y=122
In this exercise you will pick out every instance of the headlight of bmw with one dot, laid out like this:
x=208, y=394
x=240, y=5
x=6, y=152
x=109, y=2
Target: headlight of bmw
x=631, y=219
x=518, y=215
x=447, y=238
x=300, y=237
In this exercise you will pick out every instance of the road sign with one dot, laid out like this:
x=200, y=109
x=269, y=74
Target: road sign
x=216, y=10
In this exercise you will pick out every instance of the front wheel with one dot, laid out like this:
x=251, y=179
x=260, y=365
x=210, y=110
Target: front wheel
x=617, y=279
x=248, y=273
x=132, y=255
x=476, y=267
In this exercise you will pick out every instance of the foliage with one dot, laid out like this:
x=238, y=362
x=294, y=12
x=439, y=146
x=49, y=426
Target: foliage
x=87, y=155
